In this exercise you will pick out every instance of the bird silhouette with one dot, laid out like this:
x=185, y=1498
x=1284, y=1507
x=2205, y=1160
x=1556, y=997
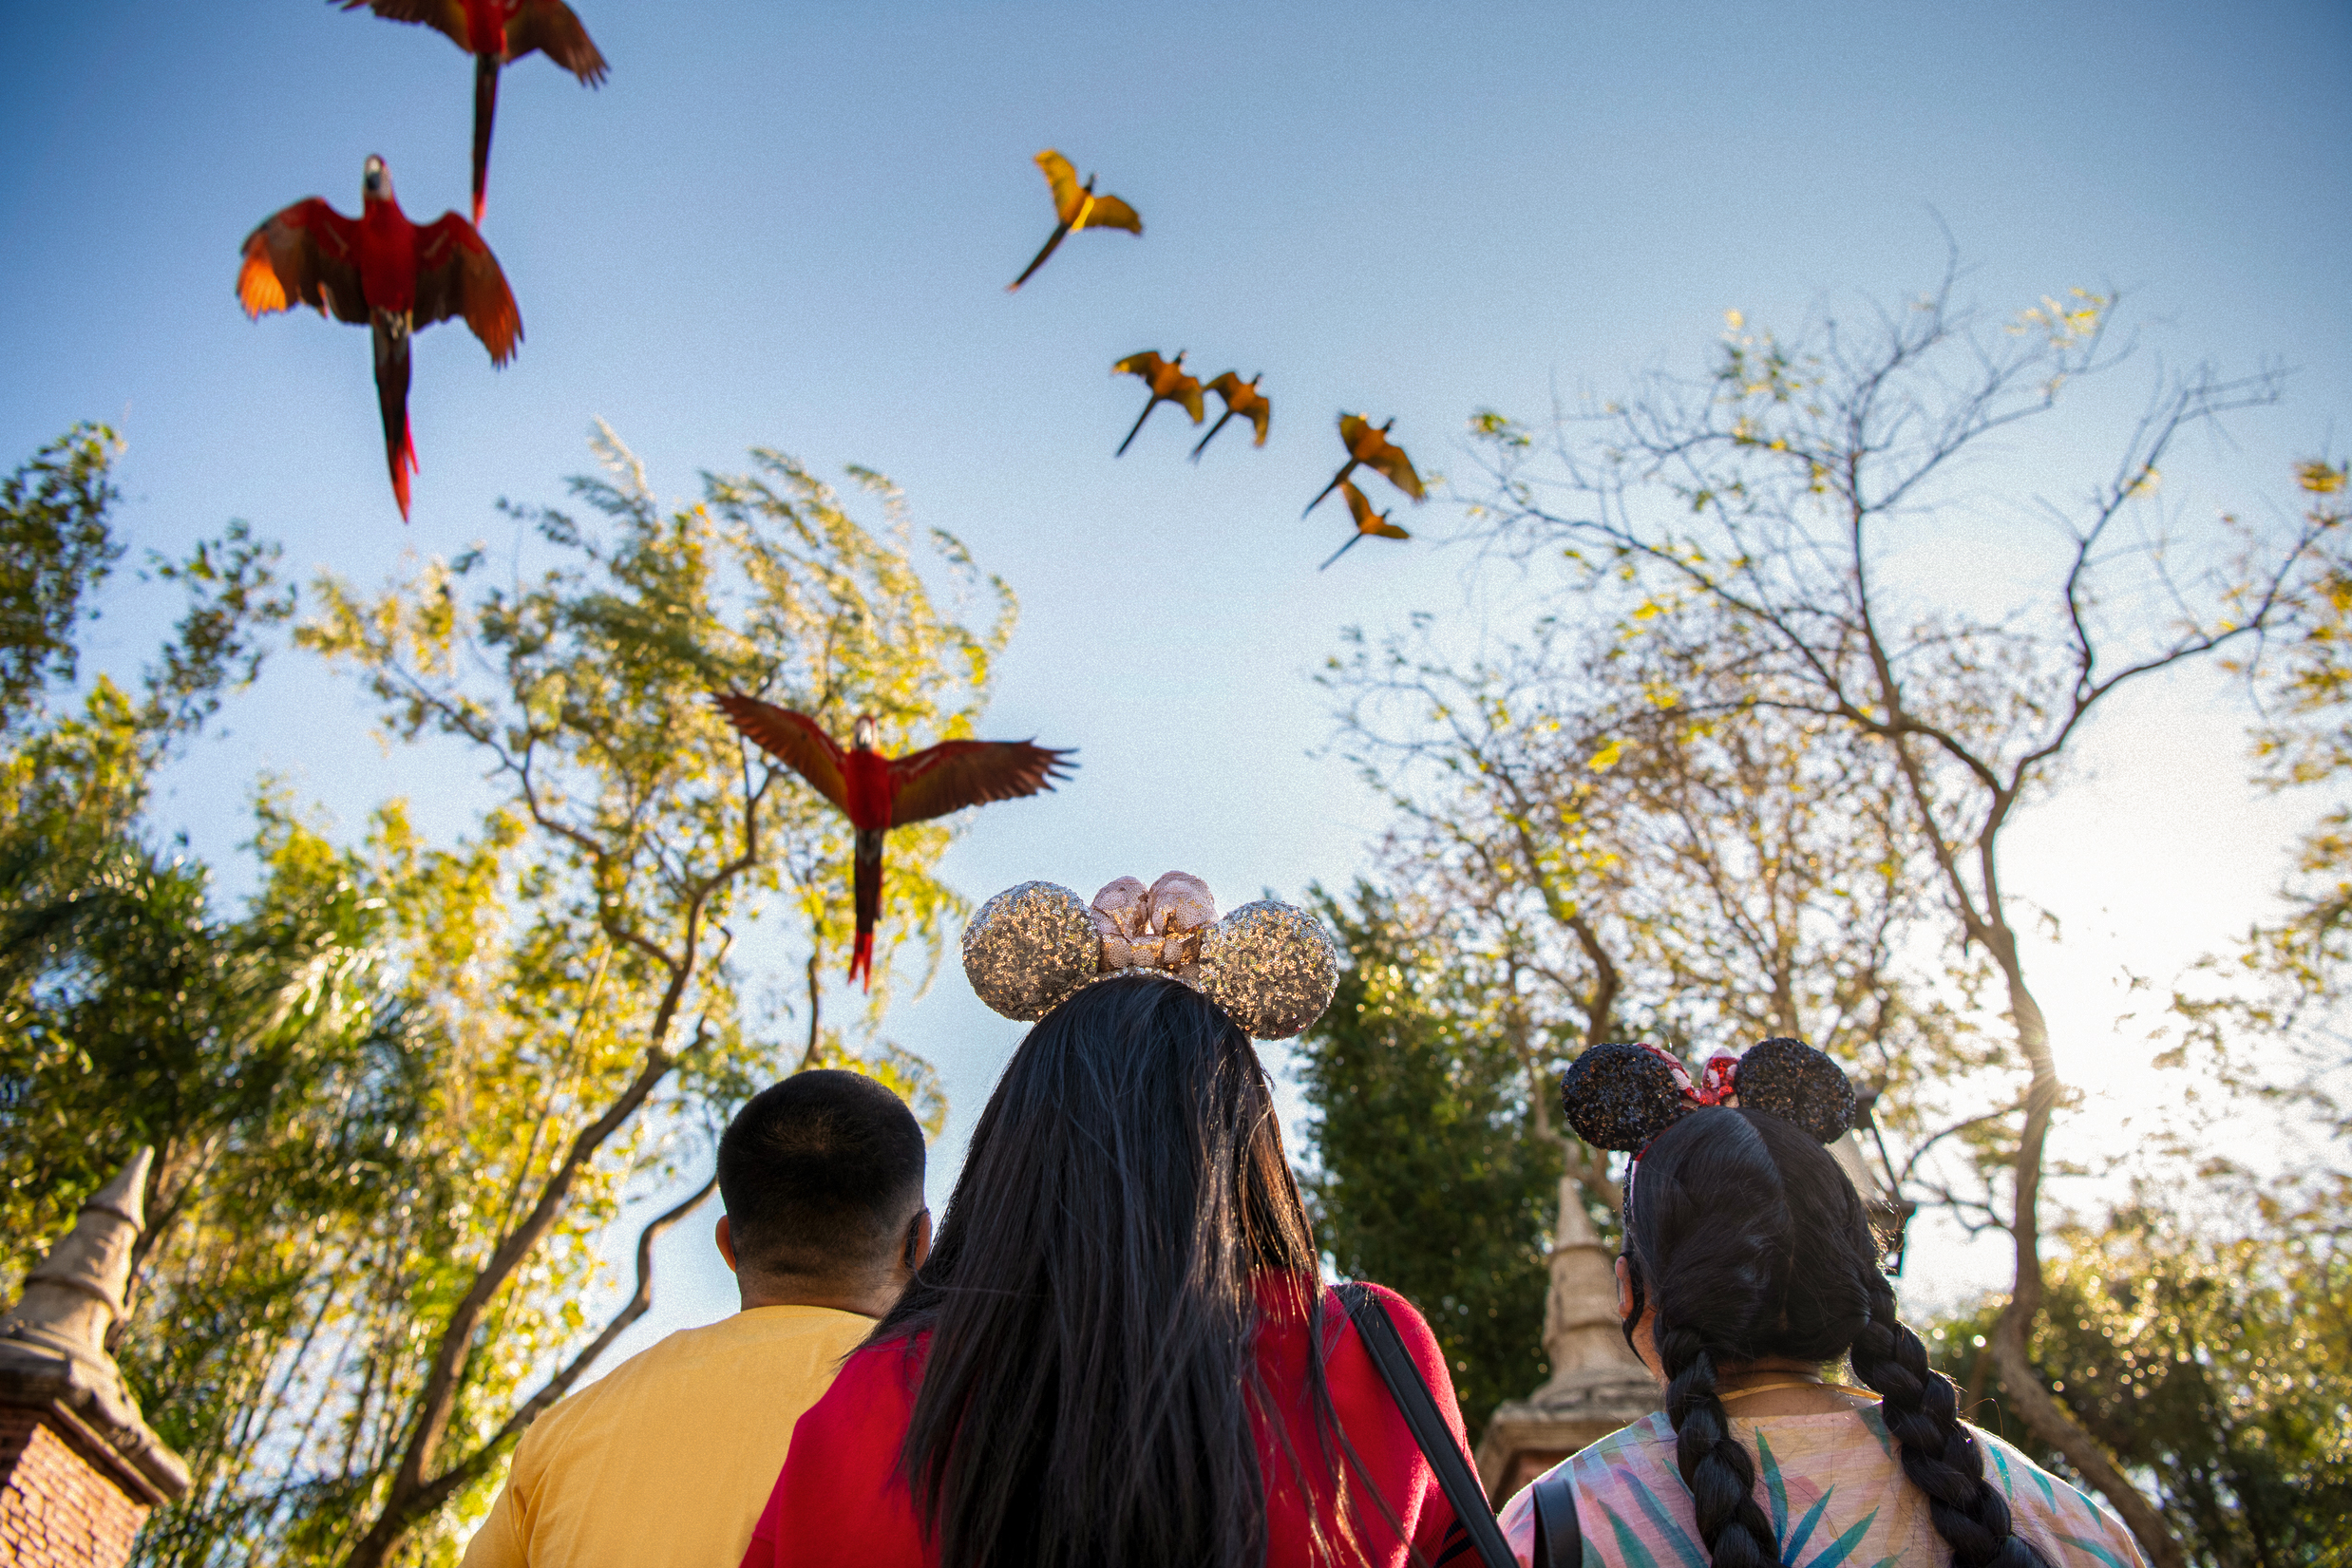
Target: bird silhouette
x=1076, y=207
x=497, y=33
x=395, y=276
x=1367, y=522
x=878, y=793
x=1169, y=384
x=1370, y=445
x=1241, y=397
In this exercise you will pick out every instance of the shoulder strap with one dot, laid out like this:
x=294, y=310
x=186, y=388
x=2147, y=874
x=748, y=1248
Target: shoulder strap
x=1559, y=1537
x=1419, y=1407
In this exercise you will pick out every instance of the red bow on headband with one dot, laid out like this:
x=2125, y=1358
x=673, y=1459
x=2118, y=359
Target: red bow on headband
x=1714, y=1086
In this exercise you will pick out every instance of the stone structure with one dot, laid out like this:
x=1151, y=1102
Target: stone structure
x=1597, y=1385
x=80, y=1469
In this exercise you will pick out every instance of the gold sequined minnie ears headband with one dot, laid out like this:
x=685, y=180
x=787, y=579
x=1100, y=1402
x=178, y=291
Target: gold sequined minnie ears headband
x=1622, y=1096
x=1270, y=966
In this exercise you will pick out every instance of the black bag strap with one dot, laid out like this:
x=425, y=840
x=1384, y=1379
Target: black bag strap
x=1420, y=1406
x=1559, y=1537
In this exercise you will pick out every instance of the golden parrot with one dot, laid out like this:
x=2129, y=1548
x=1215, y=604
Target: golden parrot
x=1077, y=207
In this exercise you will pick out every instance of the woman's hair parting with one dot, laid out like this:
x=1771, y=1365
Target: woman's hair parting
x=1124, y=1187
x=1747, y=1241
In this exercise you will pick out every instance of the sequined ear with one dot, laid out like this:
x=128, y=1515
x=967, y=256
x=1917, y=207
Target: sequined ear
x=1619, y=1096
x=1271, y=966
x=1029, y=947
x=1790, y=1080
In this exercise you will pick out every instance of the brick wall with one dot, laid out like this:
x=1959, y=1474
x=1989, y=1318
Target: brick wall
x=63, y=1497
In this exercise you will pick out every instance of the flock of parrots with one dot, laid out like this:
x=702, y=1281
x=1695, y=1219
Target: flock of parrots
x=394, y=276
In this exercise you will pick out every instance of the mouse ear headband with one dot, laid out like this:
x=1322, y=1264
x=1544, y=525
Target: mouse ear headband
x=1622, y=1096
x=1270, y=966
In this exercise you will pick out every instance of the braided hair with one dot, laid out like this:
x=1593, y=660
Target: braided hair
x=1748, y=1243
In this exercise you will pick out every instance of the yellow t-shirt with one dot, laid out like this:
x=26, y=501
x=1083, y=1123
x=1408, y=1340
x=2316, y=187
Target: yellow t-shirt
x=669, y=1457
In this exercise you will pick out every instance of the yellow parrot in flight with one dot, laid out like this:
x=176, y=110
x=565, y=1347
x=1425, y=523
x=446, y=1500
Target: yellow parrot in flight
x=1077, y=207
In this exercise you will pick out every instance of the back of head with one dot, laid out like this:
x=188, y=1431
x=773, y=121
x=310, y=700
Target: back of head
x=821, y=1175
x=1748, y=1243
x=1090, y=1299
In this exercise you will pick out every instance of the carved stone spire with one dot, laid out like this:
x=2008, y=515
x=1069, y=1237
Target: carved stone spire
x=1596, y=1385
x=53, y=1340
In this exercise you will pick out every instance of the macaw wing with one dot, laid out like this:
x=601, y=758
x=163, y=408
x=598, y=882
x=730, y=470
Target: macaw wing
x=794, y=739
x=1146, y=365
x=1387, y=530
x=444, y=16
x=1063, y=181
x=551, y=26
x=1187, y=392
x=1353, y=428
x=1109, y=212
x=456, y=275
x=306, y=254
x=955, y=774
x=1226, y=385
x=1390, y=462
x=1358, y=508
x=1262, y=415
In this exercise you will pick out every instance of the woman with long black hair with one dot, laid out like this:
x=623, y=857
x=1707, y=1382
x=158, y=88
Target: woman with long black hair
x=1121, y=1351
x=1749, y=1277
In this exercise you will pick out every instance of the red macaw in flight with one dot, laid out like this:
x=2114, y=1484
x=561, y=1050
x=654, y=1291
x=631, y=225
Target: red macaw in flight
x=381, y=269
x=878, y=793
x=497, y=33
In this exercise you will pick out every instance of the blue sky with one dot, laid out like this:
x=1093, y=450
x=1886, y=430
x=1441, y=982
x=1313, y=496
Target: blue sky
x=791, y=225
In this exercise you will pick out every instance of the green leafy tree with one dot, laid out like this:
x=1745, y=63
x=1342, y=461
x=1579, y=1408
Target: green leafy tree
x=570, y=967
x=2218, y=1366
x=244, y=1048
x=1783, y=488
x=1428, y=1178
x=1597, y=855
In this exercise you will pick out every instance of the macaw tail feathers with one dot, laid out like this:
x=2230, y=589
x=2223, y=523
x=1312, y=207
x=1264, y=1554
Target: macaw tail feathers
x=485, y=109
x=862, y=961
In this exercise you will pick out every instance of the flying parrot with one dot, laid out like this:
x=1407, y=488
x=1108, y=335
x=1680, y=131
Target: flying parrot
x=1371, y=446
x=1367, y=522
x=497, y=33
x=878, y=793
x=1241, y=397
x=387, y=272
x=1076, y=207
x=1169, y=384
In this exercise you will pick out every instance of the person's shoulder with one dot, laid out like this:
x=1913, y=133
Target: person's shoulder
x=1407, y=1318
x=2052, y=1510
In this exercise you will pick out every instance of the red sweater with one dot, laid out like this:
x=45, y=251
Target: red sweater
x=840, y=1499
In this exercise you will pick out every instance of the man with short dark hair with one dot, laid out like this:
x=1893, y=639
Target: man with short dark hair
x=669, y=1458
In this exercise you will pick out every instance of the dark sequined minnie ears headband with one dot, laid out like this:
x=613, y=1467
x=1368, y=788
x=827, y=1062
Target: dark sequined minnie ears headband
x=1622, y=1096
x=1270, y=966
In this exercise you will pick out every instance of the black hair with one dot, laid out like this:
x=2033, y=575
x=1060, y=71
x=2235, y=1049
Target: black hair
x=821, y=1175
x=1087, y=1390
x=1749, y=1242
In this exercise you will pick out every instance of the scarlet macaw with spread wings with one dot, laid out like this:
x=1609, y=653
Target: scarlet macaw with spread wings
x=878, y=793
x=497, y=33
x=394, y=275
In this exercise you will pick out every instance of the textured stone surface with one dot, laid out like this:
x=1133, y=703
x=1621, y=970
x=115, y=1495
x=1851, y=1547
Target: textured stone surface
x=62, y=1502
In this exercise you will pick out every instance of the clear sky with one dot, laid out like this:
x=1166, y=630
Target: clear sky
x=792, y=224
